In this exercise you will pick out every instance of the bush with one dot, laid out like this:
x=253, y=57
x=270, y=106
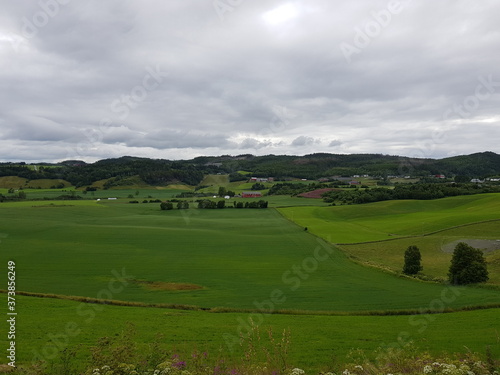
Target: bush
x=166, y=206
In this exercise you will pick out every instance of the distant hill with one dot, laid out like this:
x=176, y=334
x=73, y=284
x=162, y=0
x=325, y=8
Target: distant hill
x=313, y=166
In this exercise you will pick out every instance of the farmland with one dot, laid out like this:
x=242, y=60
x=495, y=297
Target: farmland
x=316, y=340
x=222, y=267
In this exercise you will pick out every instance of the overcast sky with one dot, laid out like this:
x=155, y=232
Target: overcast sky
x=177, y=79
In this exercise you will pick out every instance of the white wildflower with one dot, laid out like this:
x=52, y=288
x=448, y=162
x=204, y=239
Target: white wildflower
x=298, y=371
x=427, y=369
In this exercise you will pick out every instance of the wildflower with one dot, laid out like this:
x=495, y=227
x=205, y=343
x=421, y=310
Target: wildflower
x=298, y=371
x=179, y=365
x=359, y=367
x=427, y=369
x=346, y=372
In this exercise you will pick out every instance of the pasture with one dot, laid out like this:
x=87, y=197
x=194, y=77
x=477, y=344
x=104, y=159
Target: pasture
x=239, y=259
x=393, y=219
x=317, y=342
x=231, y=265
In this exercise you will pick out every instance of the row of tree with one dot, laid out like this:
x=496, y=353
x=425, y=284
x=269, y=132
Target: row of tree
x=181, y=205
x=468, y=265
x=206, y=203
x=210, y=204
x=406, y=191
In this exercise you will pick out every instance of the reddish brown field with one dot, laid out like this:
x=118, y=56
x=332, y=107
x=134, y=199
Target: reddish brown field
x=315, y=193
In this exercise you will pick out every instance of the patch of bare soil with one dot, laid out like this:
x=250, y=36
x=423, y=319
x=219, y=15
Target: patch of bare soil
x=487, y=246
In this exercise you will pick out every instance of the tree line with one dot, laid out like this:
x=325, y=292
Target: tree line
x=211, y=204
x=424, y=191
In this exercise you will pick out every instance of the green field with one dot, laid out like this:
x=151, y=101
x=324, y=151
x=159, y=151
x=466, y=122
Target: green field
x=237, y=263
x=434, y=260
x=398, y=218
x=316, y=341
x=238, y=258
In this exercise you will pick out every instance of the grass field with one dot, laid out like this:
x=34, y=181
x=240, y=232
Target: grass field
x=237, y=263
x=316, y=341
x=398, y=218
x=434, y=260
x=237, y=257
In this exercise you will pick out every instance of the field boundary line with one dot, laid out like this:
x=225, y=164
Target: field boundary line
x=419, y=235
x=228, y=310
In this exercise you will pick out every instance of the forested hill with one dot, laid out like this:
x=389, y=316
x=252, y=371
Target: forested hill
x=160, y=172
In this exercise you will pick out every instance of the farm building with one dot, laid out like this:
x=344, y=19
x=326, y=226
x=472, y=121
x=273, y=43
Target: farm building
x=251, y=194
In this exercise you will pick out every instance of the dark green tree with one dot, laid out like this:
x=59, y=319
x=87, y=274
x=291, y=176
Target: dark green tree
x=413, y=258
x=222, y=191
x=183, y=205
x=221, y=204
x=468, y=265
x=166, y=206
x=258, y=186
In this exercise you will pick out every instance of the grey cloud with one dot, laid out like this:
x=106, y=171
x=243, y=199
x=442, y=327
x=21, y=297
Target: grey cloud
x=252, y=143
x=305, y=141
x=334, y=143
x=225, y=79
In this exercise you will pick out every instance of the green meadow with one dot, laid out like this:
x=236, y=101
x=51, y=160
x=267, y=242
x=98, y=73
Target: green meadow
x=317, y=342
x=435, y=260
x=397, y=218
x=223, y=269
x=227, y=258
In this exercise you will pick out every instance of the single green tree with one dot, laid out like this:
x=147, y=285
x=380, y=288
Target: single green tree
x=468, y=265
x=222, y=191
x=413, y=258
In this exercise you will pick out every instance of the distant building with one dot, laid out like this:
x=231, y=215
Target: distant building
x=251, y=194
x=261, y=179
x=476, y=181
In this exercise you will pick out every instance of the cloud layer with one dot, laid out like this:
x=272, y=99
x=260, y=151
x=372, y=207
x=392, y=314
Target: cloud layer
x=171, y=79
